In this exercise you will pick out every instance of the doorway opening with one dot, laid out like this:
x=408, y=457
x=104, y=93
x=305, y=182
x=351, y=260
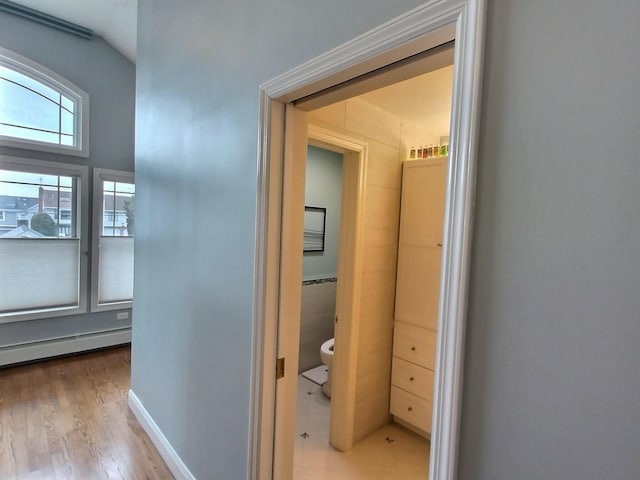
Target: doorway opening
x=280, y=213
x=389, y=123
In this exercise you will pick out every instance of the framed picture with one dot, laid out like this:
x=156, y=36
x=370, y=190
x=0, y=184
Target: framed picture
x=314, y=225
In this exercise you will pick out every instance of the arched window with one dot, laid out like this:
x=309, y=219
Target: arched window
x=39, y=109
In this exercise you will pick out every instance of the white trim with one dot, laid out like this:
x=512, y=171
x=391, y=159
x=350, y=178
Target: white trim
x=166, y=451
x=381, y=46
x=100, y=174
x=457, y=234
x=56, y=82
x=267, y=263
x=82, y=174
x=62, y=346
x=348, y=293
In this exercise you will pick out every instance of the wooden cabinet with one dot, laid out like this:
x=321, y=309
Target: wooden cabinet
x=417, y=292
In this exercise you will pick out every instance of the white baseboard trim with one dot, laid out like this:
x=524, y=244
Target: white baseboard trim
x=63, y=346
x=171, y=458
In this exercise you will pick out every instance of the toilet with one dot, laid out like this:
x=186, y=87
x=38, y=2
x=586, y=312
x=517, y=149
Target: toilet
x=326, y=355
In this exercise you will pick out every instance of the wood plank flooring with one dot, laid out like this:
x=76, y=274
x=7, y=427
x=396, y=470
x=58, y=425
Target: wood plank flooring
x=67, y=418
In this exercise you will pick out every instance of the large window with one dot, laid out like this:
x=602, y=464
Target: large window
x=114, y=223
x=39, y=109
x=42, y=241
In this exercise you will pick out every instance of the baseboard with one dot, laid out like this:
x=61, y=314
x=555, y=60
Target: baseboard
x=171, y=458
x=63, y=346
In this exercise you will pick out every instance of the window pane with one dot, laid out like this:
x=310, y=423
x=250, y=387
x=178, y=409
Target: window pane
x=28, y=134
x=10, y=75
x=33, y=108
x=68, y=104
x=67, y=122
x=38, y=273
x=34, y=178
x=116, y=269
x=33, y=203
x=125, y=187
x=118, y=214
x=24, y=108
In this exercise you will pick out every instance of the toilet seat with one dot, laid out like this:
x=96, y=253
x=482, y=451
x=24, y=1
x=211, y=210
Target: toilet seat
x=327, y=347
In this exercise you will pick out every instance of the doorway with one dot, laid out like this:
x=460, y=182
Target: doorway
x=386, y=122
x=426, y=27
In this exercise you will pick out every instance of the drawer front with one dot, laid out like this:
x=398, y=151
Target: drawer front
x=412, y=378
x=415, y=344
x=411, y=409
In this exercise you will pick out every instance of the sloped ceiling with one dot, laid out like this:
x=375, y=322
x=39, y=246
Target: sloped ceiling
x=424, y=99
x=113, y=20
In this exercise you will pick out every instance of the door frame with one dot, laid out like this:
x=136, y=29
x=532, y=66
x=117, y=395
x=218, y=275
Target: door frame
x=424, y=27
x=350, y=260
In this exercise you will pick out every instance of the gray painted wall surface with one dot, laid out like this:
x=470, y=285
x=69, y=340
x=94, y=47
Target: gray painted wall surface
x=199, y=68
x=109, y=79
x=323, y=188
x=553, y=343
x=552, y=378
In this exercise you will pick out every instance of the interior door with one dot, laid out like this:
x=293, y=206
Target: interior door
x=295, y=154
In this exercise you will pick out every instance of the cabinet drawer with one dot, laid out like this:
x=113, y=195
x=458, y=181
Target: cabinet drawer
x=412, y=378
x=411, y=409
x=414, y=344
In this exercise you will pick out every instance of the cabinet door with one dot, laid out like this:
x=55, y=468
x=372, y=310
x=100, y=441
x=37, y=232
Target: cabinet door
x=418, y=285
x=423, y=188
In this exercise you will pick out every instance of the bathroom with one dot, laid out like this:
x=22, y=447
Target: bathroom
x=388, y=120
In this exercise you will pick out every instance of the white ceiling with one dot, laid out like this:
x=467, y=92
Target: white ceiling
x=114, y=20
x=422, y=100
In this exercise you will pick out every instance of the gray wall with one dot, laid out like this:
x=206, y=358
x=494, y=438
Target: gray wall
x=109, y=79
x=198, y=70
x=324, y=189
x=553, y=344
x=552, y=377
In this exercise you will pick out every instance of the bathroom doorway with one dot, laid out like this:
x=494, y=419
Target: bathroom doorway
x=382, y=125
x=281, y=213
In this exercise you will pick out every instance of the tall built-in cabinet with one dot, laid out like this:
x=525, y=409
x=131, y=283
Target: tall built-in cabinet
x=417, y=292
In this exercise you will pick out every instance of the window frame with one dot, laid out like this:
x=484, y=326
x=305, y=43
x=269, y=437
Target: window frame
x=52, y=80
x=100, y=175
x=81, y=172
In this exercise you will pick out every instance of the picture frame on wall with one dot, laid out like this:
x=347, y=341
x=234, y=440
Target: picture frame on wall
x=314, y=228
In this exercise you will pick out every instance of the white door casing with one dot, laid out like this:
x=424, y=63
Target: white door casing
x=418, y=30
x=348, y=297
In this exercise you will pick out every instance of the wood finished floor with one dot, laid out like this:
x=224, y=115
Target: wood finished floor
x=68, y=418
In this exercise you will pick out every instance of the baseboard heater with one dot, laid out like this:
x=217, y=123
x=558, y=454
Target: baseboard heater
x=28, y=352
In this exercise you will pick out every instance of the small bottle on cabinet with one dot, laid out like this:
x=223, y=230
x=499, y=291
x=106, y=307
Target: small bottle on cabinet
x=412, y=153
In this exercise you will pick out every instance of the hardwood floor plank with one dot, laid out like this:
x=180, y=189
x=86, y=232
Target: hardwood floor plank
x=68, y=419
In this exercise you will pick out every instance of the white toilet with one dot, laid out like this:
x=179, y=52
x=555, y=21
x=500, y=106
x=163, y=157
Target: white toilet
x=326, y=355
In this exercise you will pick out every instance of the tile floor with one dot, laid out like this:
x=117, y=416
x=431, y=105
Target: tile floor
x=393, y=452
